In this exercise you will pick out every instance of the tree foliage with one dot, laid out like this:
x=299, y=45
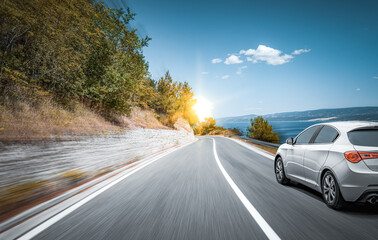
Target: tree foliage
x=235, y=131
x=261, y=130
x=174, y=100
x=83, y=51
x=75, y=50
x=209, y=127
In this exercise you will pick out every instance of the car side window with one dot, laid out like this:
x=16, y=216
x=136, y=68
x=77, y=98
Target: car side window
x=326, y=135
x=305, y=137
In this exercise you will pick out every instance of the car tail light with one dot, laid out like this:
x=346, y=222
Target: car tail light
x=368, y=155
x=355, y=156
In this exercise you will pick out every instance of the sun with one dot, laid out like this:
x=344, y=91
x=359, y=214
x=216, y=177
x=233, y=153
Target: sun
x=203, y=108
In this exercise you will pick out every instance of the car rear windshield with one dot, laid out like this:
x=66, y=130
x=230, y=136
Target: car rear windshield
x=364, y=137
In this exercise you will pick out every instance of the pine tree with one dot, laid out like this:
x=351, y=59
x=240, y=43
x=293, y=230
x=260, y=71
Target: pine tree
x=261, y=130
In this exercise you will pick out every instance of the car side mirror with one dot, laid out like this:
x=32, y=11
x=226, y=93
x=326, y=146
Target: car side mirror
x=290, y=141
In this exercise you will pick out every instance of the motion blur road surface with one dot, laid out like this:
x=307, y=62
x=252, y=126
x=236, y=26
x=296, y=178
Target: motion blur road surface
x=184, y=195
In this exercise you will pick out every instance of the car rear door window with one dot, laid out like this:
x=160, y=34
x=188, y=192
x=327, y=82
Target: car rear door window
x=326, y=135
x=305, y=137
x=364, y=137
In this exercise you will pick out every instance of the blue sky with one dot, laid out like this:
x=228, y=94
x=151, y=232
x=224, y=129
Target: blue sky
x=337, y=41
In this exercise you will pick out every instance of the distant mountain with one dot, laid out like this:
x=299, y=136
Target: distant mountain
x=245, y=118
x=337, y=114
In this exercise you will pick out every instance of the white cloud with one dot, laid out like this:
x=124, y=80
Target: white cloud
x=375, y=77
x=239, y=72
x=300, y=51
x=249, y=59
x=216, y=60
x=358, y=89
x=233, y=59
x=225, y=76
x=204, y=73
x=248, y=52
x=267, y=54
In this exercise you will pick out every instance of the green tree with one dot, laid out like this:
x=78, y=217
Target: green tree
x=82, y=51
x=187, y=102
x=174, y=100
x=145, y=95
x=261, y=130
x=206, y=126
x=76, y=50
x=168, y=100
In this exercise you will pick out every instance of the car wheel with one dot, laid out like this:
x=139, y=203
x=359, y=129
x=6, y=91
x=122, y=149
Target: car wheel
x=280, y=173
x=331, y=191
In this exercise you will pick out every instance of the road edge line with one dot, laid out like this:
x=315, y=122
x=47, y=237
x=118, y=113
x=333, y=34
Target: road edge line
x=269, y=232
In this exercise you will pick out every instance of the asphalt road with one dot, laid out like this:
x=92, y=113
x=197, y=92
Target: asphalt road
x=185, y=195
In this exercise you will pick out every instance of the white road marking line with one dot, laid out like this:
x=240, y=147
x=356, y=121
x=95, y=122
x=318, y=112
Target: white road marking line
x=269, y=232
x=35, y=231
x=252, y=148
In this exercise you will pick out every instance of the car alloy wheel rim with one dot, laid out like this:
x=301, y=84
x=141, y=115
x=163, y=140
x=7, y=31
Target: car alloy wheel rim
x=329, y=189
x=279, y=172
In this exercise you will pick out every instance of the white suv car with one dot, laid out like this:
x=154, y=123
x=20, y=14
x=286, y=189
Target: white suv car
x=338, y=159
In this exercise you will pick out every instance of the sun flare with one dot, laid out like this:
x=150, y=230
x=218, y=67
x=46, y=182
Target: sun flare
x=203, y=108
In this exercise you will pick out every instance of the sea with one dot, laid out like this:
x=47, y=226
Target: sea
x=284, y=129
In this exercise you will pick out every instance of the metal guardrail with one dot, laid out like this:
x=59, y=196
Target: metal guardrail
x=255, y=141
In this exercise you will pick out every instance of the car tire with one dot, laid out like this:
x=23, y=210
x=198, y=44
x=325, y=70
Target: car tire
x=331, y=191
x=279, y=172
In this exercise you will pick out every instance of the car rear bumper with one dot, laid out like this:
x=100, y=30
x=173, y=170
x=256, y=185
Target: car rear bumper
x=357, y=182
x=369, y=196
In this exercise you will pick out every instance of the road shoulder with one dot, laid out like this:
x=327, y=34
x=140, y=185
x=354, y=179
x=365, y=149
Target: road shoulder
x=42, y=213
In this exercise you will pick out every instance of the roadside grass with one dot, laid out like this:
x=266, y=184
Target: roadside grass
x=74, y=176
x=20, y=197
x=23, y=194
x=20, y=193
x=140, y=118
x=21, y=121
